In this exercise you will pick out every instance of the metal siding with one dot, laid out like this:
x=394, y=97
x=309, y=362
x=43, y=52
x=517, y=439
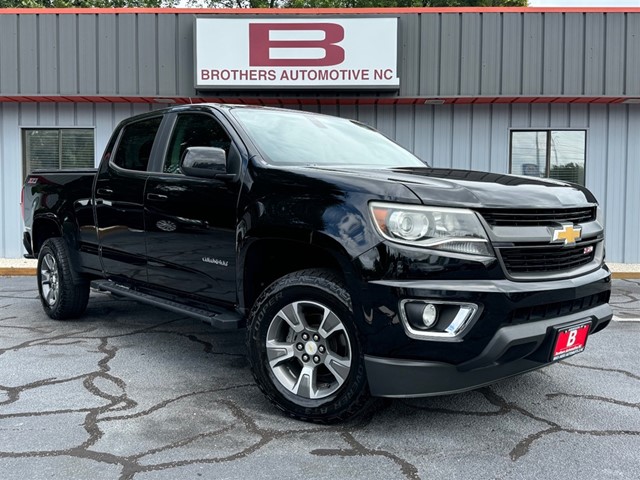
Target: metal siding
x=66, y=114
x=440, y=54
x=616, y=175
x=511, y=65
x=481, y=137
x=442, y=138
x=500, y=118
x=404, y=116
x=68, y=54
x=573, y=78
x=48, y=54
x=461, y=137
x=597, y=139
x=46, y=113
x=532, y=70
x=631, y=251
x=409, y=54
x=579, y=116
x=429, y=55
x=450, y=55
x=10, y=182
x=107, y=53
x=423, y=132
x=539, y=115
x=614, y=54
x=594, y=55
x=553, y=51
x=28, y=115
x=367, y=114
x=520, y=115
x=186, y=55
x=167, y=66
x=559, y=115
x=470, y=54
x=632, y=84
x=104, y=123
x=147, y=55
x=127, y=54
x=491, y=46
x=9, y=54
x=87, y=52
x=28, y=60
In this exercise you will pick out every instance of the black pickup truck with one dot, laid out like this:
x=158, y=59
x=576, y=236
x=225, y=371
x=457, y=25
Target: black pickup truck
x=357, y=269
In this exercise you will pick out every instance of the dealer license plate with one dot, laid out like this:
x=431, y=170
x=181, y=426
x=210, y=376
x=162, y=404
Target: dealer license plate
x=570, y=340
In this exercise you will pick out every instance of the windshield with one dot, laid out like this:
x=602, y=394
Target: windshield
x=299, y=139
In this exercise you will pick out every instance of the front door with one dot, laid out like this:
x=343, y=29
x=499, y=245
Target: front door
x=191, y=222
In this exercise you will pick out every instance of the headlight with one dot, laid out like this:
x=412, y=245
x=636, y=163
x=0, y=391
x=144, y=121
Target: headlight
x=451, y=229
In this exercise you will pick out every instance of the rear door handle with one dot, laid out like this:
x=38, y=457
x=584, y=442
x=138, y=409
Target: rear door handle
x=157, y=197
x=104, y=191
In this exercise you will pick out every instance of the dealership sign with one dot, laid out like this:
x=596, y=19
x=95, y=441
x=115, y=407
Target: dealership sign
x=296, y=53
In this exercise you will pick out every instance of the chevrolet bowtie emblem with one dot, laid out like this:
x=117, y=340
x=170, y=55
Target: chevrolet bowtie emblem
x=568, y=233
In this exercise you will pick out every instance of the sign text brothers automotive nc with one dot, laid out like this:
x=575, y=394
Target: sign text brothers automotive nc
x=296, y=52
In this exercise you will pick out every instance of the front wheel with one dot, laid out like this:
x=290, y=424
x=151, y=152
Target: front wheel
x=61, y=297
x=304, y=349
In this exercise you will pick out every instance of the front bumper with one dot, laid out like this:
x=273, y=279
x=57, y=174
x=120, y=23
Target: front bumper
x=511, y=349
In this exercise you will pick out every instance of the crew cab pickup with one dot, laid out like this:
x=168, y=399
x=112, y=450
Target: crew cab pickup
x=356, y=268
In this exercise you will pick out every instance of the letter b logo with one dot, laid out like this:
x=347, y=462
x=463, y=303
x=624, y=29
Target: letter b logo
x=262, y=49
x=572, y=338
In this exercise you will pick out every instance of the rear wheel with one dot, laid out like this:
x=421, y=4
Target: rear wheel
x=304, y=349
x=62, y=298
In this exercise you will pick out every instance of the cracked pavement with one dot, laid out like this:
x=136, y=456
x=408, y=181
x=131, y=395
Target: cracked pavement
x=133, y=392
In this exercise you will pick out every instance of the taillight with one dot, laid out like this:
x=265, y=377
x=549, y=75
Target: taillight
x=22, y=202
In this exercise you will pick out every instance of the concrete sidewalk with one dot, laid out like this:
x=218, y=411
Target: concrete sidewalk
x=23, y=266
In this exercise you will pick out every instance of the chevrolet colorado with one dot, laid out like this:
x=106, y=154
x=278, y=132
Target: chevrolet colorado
x=356, y=268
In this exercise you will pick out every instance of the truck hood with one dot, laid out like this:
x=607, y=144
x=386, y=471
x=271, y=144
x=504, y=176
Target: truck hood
x=473, y=189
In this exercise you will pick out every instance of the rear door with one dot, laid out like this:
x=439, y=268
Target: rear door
x=191, y=222
x=119, y=194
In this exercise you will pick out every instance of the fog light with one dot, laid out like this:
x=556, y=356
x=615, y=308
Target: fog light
x=429, y=315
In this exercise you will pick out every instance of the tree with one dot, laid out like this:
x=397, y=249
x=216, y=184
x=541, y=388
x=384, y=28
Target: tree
x=355, y=3
x=86, y=3
x=260, y=3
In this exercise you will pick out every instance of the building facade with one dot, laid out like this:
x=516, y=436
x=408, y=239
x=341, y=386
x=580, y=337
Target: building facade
x=545, y=92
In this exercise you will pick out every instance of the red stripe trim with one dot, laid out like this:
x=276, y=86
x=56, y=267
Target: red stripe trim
x=311, y=11
x=342, y=100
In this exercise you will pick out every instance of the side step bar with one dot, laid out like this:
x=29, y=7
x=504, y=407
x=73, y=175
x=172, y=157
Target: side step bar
x=223, y=319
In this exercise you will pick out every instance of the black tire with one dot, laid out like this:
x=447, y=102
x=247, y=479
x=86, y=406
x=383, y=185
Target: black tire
x=62, y=298
x=334, y=392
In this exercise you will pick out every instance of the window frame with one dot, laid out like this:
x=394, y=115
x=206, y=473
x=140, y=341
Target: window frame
x=26, y=163
x=174, y=128
x=547, y=130
x=121, y=130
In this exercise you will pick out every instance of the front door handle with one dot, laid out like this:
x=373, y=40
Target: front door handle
x=104, y=191
x=157, y=197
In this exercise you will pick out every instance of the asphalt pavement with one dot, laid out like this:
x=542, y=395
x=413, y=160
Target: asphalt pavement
x=131, y=391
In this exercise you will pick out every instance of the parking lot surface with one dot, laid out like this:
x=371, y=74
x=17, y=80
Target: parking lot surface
x=131, y=391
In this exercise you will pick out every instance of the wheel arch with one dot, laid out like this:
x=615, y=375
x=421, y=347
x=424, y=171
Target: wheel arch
x=264, y=260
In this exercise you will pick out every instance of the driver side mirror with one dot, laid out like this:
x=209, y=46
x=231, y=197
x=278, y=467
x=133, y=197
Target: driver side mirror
x=205, y=162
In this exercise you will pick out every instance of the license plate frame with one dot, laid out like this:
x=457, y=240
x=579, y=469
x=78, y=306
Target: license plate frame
x=565, y=344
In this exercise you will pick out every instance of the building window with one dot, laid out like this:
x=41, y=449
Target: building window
x=558, y=154
x=57, y=149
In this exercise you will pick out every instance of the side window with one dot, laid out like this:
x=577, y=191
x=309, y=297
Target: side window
x=134, y=148
x=194, y=130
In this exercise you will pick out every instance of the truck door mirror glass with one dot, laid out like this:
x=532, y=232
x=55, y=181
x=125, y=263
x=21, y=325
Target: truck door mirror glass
x=206, y=162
